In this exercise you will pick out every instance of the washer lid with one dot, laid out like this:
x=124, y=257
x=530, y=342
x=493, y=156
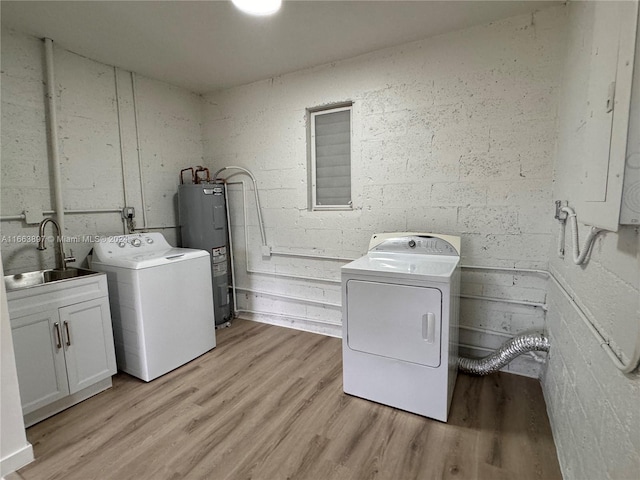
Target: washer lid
x=405, y=265
x=152, y=259
x=140, y=251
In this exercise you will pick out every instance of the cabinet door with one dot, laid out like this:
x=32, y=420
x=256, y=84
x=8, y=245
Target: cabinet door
x=42, y=376
x=88, y=343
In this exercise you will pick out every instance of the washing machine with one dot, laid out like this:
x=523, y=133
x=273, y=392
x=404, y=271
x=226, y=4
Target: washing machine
x=161, y=302
x=400, y=322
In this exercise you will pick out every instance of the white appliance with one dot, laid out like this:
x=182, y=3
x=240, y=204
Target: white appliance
x=161, y=302
x=400, y=322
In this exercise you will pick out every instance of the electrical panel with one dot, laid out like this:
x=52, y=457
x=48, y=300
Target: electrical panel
x=630, y=208
x=601, y=56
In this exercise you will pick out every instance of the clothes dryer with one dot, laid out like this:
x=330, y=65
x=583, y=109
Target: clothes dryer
x=400, y=322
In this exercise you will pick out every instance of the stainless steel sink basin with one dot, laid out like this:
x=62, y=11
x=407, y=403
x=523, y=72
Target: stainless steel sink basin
x=42, y=277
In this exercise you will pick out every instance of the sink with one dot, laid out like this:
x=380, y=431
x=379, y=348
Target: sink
x=42, y=277
x=57, y=275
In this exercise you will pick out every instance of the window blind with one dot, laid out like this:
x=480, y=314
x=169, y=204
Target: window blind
x=333, y=158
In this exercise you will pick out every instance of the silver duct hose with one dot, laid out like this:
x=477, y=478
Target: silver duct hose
x=507, y=352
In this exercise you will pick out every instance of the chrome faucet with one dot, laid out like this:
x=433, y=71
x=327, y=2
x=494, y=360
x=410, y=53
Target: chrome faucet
x=62, y=259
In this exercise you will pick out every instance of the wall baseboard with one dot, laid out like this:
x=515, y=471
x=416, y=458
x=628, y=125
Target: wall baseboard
x=16, y=460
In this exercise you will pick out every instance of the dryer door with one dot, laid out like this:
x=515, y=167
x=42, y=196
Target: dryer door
x=396, y=321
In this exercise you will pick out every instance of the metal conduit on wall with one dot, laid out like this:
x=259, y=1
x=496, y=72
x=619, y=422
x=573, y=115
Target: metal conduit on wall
x=625, y=368
x=60, y=211
x=294, y=317
x=121, y=142
x=140, y=169
x=23, y=216
x=289, y=297
x=342, y=259
x=53, y=133
x=234, y=288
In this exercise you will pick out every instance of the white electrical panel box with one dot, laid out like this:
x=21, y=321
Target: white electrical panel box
x=604, y=48
x=630, y=207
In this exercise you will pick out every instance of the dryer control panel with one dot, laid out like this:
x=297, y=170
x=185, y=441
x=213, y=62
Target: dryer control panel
x=418, y=244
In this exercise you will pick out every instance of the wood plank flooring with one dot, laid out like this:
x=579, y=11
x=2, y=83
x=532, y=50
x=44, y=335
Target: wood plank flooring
x=267, y=403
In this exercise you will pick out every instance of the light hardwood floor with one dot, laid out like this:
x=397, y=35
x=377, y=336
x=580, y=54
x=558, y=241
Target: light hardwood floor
x=267, y=403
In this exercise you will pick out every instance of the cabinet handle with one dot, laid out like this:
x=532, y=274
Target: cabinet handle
x=66, y=328
x=58, y=341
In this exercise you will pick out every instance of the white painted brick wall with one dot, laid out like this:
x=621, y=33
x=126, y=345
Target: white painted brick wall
x=170, y=134
x=453, y=134
x=593, y=408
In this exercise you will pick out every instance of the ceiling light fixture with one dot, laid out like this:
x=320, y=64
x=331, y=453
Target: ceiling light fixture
x=258, y=7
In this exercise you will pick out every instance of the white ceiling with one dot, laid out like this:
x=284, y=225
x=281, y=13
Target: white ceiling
x=208, y=45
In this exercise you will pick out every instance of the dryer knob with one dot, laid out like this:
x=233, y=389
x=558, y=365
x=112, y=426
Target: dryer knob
x=136, y=242
x=412, y=243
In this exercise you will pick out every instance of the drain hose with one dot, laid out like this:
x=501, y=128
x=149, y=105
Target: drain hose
x=507, y=352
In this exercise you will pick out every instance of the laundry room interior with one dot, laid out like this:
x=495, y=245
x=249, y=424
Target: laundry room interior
x=500, y=137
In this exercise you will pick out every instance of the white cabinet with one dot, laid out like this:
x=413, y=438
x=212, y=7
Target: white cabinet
x=87, y=343
x=63, y=342
x=42, y=375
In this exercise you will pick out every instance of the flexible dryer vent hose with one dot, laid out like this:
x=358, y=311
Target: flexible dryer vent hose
x=507, y=352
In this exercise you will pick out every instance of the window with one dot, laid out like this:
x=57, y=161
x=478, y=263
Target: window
x=330, y=152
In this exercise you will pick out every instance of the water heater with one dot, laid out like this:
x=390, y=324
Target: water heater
x=203, y=225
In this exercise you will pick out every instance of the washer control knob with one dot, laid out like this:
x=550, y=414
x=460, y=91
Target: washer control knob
x=412, y=243
x=136, y=242
x=121, y=244
x=149, y=240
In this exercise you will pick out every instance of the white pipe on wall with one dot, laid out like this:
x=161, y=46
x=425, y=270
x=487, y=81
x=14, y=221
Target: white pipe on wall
x=249, y=270
x=53, y=133
x=233, y=270
x=282, y=253
x=506, y=269
x=255, y=191
x=122, y=166
x=290, y=297
x=579, y=257
x=22, y=216
x=120, y=138
x=283, y=315
x=246, y=249
x=506, y=300
x=159, y=227
x=87, y=211
x=485, y=331
x=625, y=368
x=140, y=169
x=604, y=343
x=326, y=280
x=475, y=347
x=9, y=218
